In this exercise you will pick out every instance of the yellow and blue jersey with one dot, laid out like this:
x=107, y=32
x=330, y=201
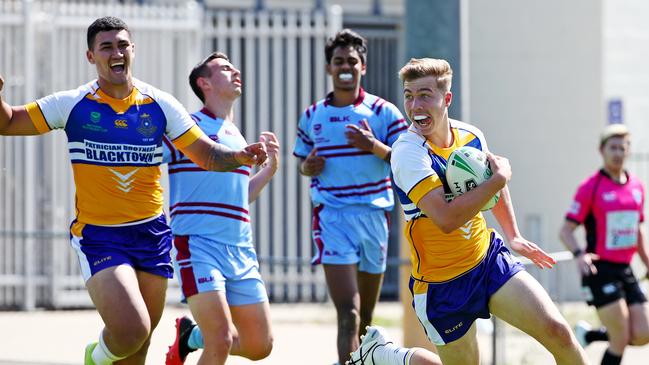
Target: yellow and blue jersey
x=418, y=166
x=115, y=147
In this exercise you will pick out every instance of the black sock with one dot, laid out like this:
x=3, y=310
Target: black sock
x=597, y=335
x=611, y=359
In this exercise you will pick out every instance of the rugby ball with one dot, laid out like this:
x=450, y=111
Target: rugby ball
x=466, y=168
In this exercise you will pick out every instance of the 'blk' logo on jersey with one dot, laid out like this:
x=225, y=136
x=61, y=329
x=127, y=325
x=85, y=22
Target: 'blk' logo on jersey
x=339, y=119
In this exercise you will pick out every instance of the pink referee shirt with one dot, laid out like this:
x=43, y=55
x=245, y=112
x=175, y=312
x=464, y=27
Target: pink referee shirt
x=611, y=214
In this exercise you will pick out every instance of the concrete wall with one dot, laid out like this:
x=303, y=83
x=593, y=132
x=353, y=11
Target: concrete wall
x=625, y=55
x=536, y=91
x=626, y=78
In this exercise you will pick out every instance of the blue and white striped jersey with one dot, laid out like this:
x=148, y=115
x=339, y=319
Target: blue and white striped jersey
x=212, y=204
x=350, y=176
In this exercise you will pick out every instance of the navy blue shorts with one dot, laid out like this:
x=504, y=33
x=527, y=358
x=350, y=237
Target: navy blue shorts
x=446, y=310
x=145, y=247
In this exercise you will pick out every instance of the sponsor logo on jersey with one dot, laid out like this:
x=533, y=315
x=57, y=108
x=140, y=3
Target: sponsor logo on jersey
x=317, y=128
x=110, y=152
x=339, y=119
x=574, y=208
x=609, y=196
x=121, y=123
x=146, y=127
x=95, y=118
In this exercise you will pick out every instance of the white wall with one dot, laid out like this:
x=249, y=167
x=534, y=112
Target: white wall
x=536, y=91
x=626, y=77
x=626, y=52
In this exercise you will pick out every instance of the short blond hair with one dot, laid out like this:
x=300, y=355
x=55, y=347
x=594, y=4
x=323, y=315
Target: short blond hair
x=417, y=68
x=612, y=130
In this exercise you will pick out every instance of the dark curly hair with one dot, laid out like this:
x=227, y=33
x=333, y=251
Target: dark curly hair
x=346, y=38
x=104, y=24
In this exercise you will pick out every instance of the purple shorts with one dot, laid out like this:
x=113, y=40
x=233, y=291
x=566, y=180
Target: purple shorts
x=145, y=247
x=447, y=310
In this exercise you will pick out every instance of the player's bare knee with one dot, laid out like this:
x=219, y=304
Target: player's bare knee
x=639, y=338
x=348, y=319
x=262, y=350
x=220, y=342
x=219, y=338
x=132, y=335
x=560, y=332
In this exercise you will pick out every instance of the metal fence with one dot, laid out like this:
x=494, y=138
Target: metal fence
x=280, y=53
x=43, y=43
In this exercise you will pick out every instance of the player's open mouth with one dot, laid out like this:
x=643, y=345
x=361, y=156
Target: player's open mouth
x=422, y=120
x=117, y=67
x=346, y=77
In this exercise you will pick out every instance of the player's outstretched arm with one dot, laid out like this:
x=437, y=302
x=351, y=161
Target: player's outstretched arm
x=262, y=178
x=504, y=214
x=215, y=157
x=14, y=121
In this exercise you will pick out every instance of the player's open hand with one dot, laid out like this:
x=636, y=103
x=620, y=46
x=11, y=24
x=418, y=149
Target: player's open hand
x=585, y=263
x=312, y=164
x=533, y=252
x=360, y=137
x=500, y=166
x=272, y=149
x=254, y=154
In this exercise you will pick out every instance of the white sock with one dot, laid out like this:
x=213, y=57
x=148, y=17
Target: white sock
x=101, y=355
x=391, y=354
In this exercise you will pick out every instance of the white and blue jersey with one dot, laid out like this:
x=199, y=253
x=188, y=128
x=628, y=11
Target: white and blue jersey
x=210, y=204
x=351, y=176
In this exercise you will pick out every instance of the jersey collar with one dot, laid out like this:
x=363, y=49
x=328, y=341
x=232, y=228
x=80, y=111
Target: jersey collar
x=357, y=102
x=606, y=174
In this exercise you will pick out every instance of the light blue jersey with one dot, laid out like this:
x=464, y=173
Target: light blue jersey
x=211, y=204
x=351, y=176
